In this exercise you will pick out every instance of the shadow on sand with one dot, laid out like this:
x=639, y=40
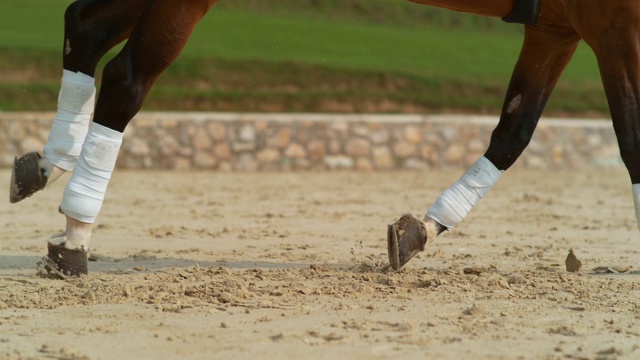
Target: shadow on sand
x=9, y=265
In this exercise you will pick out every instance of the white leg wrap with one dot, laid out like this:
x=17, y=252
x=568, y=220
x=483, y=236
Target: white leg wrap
x=453, y=205
x=85, y=191
x=636, y=201
x=71, y=123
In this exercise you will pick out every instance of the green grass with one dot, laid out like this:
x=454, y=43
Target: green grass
x=32, y=24
x=307, y=56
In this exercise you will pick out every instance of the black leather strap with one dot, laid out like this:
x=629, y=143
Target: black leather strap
x=524, y=12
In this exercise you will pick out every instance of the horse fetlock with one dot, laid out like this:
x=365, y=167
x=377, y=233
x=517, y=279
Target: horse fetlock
x=77, y=234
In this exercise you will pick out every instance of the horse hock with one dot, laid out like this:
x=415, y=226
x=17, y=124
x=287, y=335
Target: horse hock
x=405, y=239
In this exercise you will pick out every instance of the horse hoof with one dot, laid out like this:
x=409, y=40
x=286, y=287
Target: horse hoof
x=62, y=262
x=405, y=239
x=27, y=177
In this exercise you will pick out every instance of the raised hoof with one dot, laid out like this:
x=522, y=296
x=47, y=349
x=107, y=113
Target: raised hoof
x=62, y=262
x=405, y=239
x=27, y=177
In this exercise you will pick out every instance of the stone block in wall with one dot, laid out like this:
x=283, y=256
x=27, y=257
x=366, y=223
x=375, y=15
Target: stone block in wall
x=358, y=147
x=337, y=162
x=222, y=151
x=412, y=134
x=454, y=154
x=380, y=136
x=281, y=138
x=382, y=158
x=268, y=156
x=204, y=160
x=216, y=130
x=247, y=133
x=363, y=164
x=138, y=147
x=167, y=145
x=403, y=150
x=245, y=162
x=201, y=140
x=295, y=151
x=316, y=150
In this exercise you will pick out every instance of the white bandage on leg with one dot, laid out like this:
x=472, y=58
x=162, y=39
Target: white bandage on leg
x=636, y=201
x=87, y=186
x=71, y=123
x=453, y=205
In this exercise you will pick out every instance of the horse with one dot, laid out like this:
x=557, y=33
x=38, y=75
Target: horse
x=86, y=133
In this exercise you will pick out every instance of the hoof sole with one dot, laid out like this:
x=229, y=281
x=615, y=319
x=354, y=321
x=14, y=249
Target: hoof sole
x=392, y=247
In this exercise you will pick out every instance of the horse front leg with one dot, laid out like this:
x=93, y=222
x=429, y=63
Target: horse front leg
x=92, y=27
x=542, y=60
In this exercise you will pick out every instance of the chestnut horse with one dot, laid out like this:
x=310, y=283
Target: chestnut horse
x=157, y=30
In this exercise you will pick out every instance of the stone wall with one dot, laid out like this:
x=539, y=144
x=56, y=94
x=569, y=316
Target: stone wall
x=275, y=142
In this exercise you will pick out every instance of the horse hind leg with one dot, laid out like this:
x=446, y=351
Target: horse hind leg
x=541, y=62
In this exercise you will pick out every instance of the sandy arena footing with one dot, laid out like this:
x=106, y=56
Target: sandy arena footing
x=208, y=265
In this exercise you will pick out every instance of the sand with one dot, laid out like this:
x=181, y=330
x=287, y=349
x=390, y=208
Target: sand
x=210, y=265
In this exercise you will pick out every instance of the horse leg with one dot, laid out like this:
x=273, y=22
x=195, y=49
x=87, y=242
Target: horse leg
x=155, y=42
x=92, y=27
x=543, y=58
x=613, y=36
